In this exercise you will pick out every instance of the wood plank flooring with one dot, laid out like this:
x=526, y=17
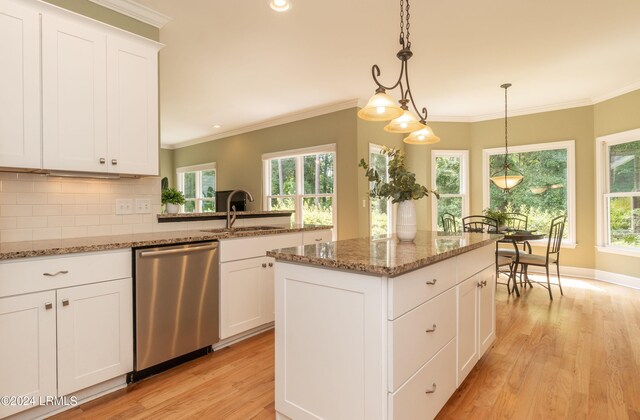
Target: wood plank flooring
x=577, y=357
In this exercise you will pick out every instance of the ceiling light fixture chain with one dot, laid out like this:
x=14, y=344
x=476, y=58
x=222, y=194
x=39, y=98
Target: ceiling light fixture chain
x=382, y=107
x=506, y=136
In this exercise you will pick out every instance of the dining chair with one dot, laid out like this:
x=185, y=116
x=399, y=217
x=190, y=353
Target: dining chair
x=516, y=221
x=552, y=255
x=449, y=222
x=479, y=223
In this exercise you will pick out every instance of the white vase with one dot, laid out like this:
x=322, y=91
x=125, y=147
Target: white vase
x=406, y=226
x=173, y=208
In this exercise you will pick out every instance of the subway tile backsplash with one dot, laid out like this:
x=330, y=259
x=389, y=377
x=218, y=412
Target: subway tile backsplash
x=34, y=207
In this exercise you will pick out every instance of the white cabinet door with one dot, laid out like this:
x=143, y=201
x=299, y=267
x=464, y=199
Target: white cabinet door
x=468, y=353
x=74, y=96
x=28, y=350
x=95, y=333
x=132, y=96
x=19, y=86
x=487, y=309
x=244, y=286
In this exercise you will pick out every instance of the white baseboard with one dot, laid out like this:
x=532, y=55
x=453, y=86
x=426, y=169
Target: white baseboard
x=593, y=274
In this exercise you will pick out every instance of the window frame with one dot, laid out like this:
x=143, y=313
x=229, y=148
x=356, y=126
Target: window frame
x=569, y=145
x=198, y=169
x=464, y=182
x=298, y=155
x=603, y=187
x=391, y=209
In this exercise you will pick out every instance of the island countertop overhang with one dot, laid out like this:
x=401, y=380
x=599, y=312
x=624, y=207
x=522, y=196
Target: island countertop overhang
x=385, y=255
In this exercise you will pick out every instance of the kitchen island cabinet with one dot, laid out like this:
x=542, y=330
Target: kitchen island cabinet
x=370, y=328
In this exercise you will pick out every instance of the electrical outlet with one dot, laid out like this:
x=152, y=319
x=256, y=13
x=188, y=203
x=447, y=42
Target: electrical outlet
x=143, y=205
x=124, y=206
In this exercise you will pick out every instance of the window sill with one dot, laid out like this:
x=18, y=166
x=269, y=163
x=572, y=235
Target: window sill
x=618, y=251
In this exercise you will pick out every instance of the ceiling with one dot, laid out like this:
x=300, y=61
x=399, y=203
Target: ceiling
x=243, y=66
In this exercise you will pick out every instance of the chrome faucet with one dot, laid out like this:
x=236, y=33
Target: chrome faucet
x=230, y=218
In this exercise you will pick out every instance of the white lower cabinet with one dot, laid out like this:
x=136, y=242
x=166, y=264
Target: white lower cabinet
x=246, y=295
x=62, y=329
x=28, y=350
x=95, y=337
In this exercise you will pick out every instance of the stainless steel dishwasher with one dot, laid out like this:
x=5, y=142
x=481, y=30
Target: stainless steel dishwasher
x=176, y=301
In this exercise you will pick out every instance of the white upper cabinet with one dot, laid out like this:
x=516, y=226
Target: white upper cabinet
x=132, y=97
x=19, y=86
x=74, y=96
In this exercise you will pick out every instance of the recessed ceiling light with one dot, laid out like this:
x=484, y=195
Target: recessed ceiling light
x=280, y=5
x=217, y=126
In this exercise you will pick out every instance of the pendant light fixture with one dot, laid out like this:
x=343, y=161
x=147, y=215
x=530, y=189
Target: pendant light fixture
x=382, y=107
x=507, y=176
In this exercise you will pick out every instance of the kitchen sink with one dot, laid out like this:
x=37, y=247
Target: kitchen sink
x=244, y=229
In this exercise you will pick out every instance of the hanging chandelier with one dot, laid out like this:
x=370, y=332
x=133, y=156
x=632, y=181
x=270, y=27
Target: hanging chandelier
x=507, y=176
x=383, y=107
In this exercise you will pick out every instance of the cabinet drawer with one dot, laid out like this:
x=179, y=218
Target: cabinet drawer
x=414, y=288
x=475, y=261
x=412, y=400
x=316, y=236
x=257, y=246
x=411, y=345
x=28, y=275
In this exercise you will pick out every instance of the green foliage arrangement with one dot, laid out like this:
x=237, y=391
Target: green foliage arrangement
x=402, y=185
x=173, y=196
x=498, y=215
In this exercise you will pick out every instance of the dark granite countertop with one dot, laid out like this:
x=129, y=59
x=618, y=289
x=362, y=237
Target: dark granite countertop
x=219, y=215
x=13, y=250
x=385, y=255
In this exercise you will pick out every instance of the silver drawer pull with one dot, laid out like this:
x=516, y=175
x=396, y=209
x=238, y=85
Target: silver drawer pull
x=264, y=265
x=431, y=329
x=318, y=239
x=65, y=302
x=432, y=282
x=432, y=390
x=103, y=161
x=48, y=306
x=270, y=264
x=114, y=161
x=55, y=274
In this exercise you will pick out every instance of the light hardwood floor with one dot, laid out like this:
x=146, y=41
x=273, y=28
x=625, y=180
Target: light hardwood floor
x=577, y=357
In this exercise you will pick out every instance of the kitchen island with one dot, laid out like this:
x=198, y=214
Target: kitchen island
x=372, y=328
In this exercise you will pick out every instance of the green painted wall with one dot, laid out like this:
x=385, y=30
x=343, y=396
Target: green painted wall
x=613, y=116
x=108, y=16
x=167, y=166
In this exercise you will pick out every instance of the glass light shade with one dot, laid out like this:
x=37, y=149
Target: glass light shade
x=381, y=107
x=538, y=190
x=506, y=182
x=424, y=136
x=406, y=123
x=280, y=5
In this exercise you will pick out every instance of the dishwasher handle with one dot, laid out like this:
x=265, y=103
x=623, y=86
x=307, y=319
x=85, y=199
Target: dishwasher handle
x=144, y=254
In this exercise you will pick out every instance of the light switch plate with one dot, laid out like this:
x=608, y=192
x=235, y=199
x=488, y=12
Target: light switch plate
x=143, y=205
x=124, y=206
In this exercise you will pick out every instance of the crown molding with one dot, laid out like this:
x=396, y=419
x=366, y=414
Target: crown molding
x=283, y=119
x=616, y=93
x=136, y=11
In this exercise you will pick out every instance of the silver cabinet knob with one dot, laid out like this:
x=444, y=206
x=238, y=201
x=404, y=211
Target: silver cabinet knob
x=432, y=390
x=65, y=302
x=264, y=265
x=432, y=282
x=432, y=329
x=114, y=161
x=48, y=306
x=479, y=284
x=270, y=264
x=484, y=283
x=103, y=161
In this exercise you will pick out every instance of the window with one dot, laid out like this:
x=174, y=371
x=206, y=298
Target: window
x=450, y=177
x=302, y=180
x=381, y=214
x=618, y=185
x=548, y=187
x=198, y=184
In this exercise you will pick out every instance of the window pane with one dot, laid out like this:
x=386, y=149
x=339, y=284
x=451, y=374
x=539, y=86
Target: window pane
x=448, y=174
x=208, y=206
x=282, y=204
x=624, y=221
x=189, y=185
x=379, y=162
x=624, y=167
x=542, y=194
x=189, y=206
x=318, y=174
x=379, y=217
x=317, y=211
x=451, y=205
x=283, y=176
x=208, y=184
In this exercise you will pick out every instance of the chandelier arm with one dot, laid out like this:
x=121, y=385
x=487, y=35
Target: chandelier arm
x=409, y=95
x=375, y=72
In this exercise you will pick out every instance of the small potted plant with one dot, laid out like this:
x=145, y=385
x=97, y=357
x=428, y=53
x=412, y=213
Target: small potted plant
x=497, y=215
x=173, y=199
x=402, y=188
